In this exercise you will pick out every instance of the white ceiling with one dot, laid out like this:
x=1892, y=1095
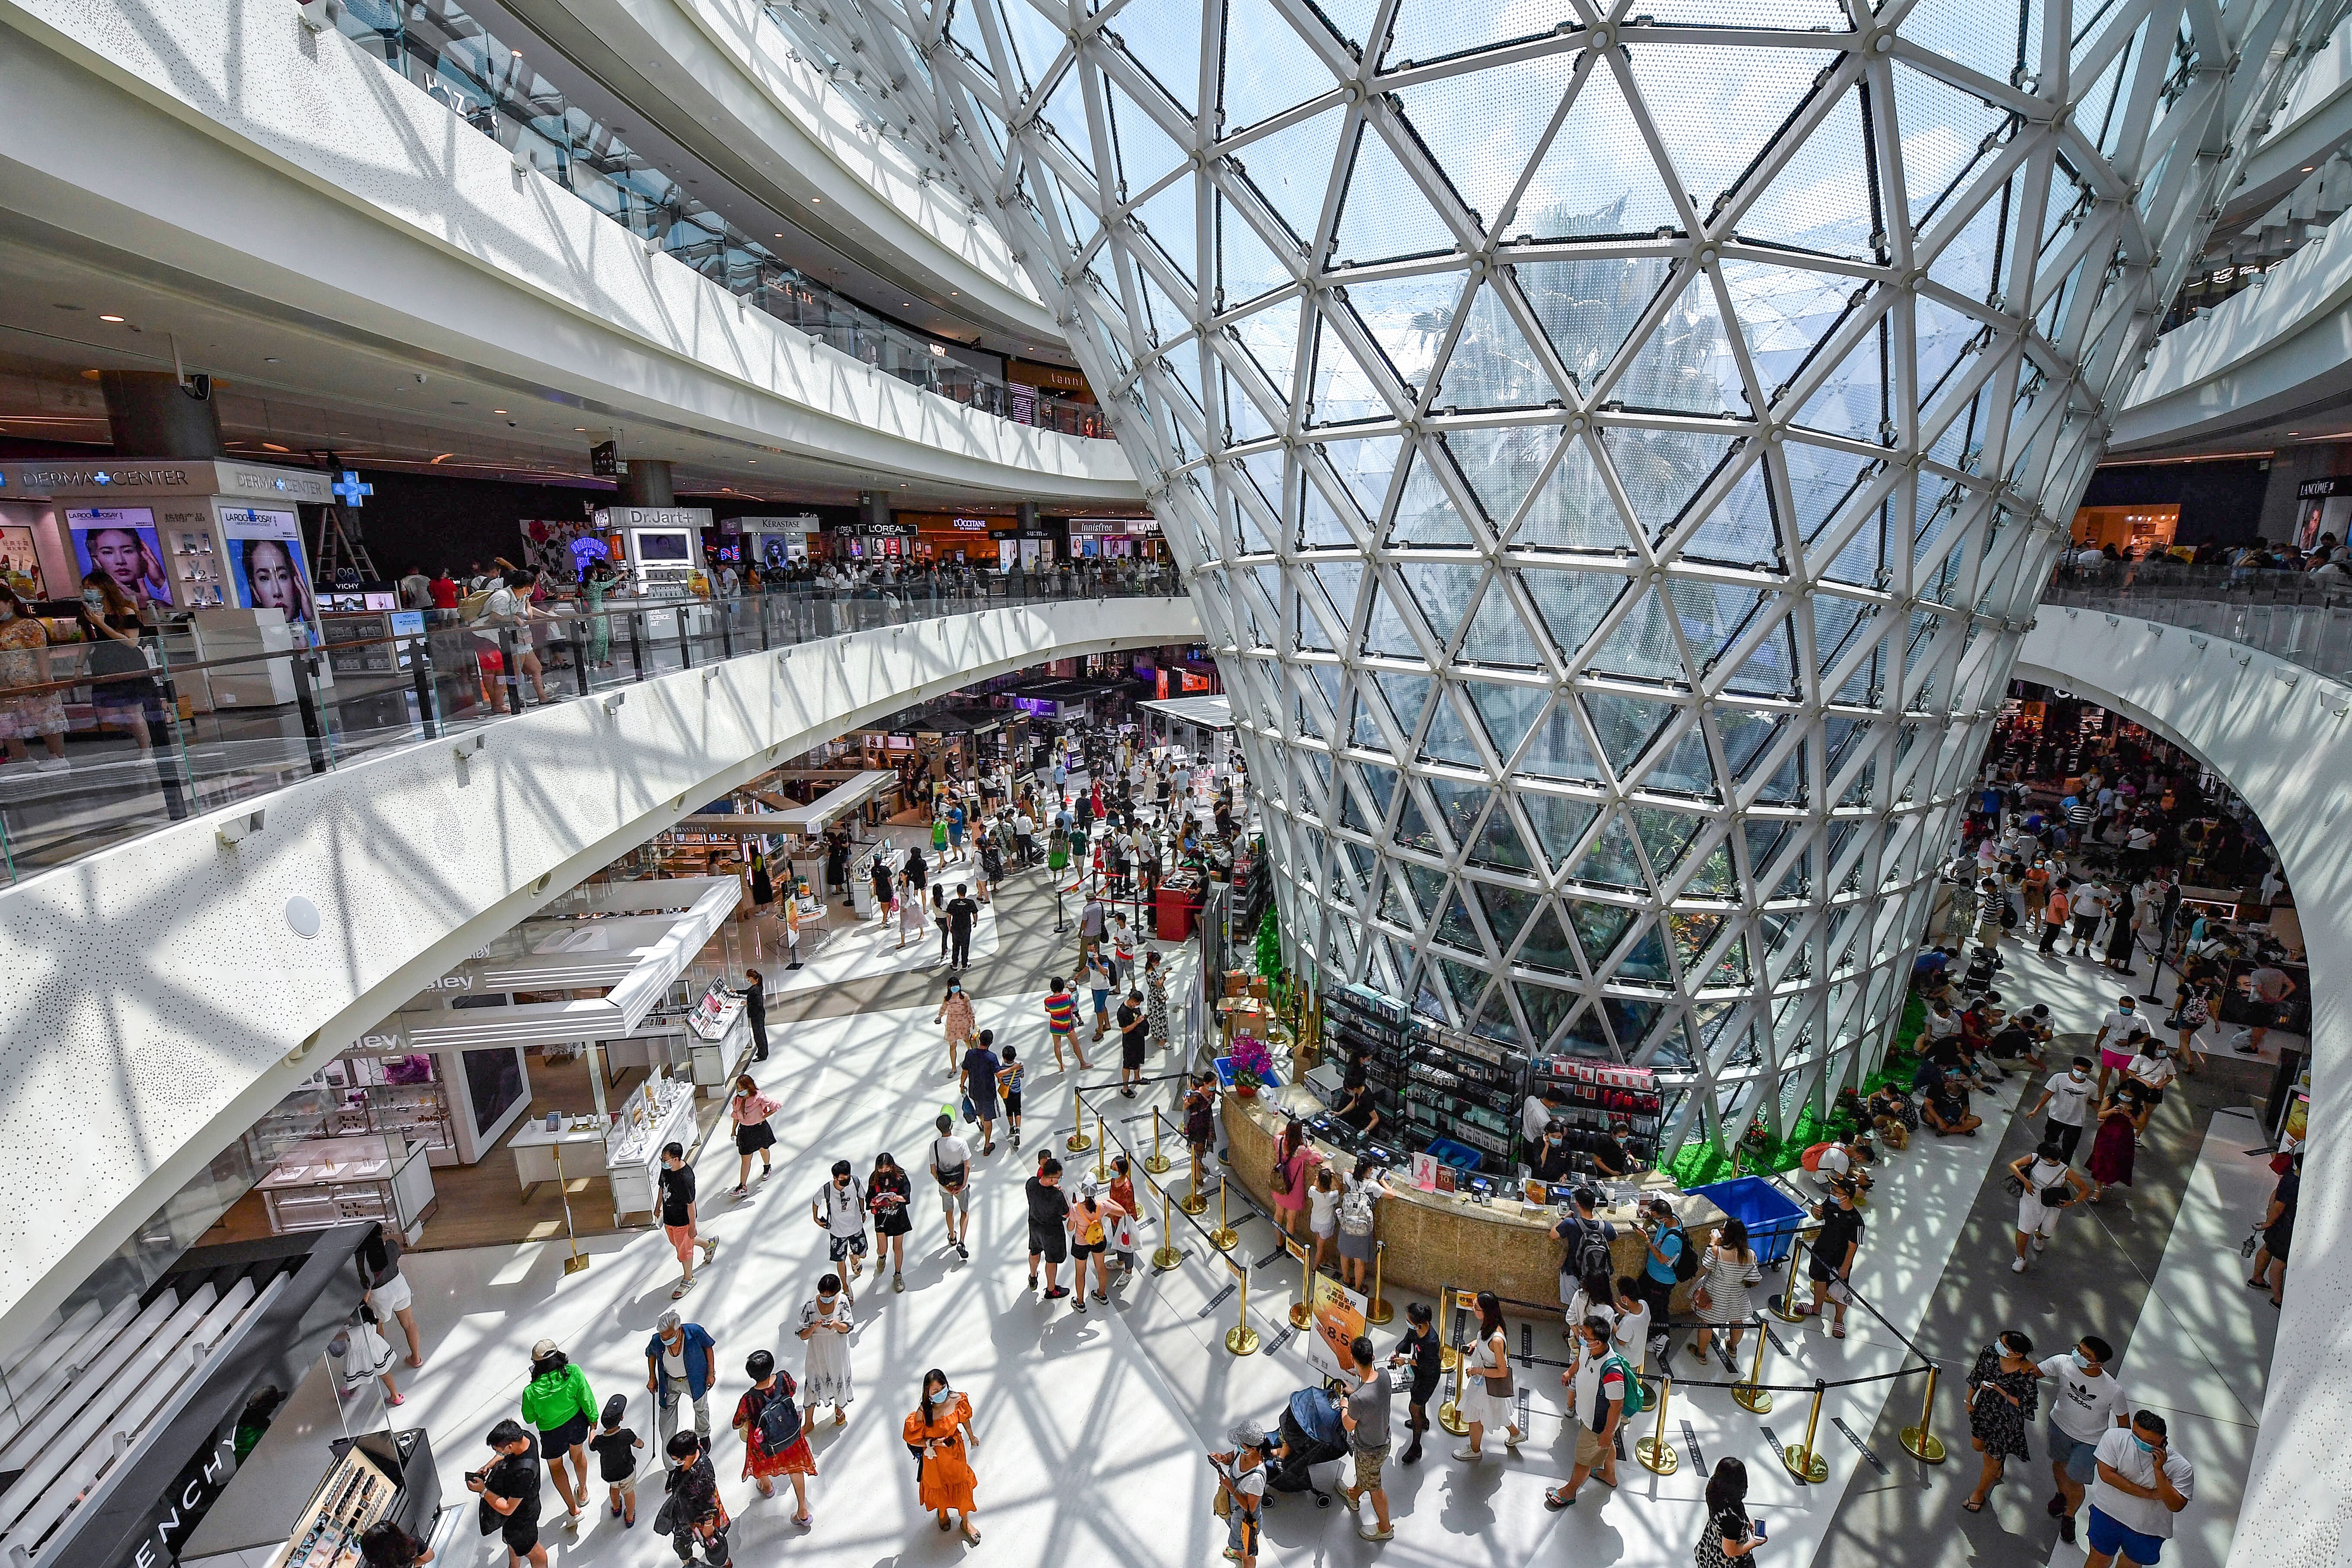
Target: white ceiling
x=293, y=384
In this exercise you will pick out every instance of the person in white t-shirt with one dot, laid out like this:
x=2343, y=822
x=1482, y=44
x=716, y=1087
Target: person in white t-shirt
x=2088, y=1404
x=1632, y=1334
x=2067, y=1095
x=2141, y=1484
x=2120, y=1032
x=2153, y=1068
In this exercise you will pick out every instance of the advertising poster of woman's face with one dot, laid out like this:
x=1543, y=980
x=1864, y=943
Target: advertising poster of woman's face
x=123, y=546
x=271, y=575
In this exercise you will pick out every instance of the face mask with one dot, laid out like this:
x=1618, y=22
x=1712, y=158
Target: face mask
x=94, y=600
x=2144, y=1445
x=2082, y=1360
x=825, y=1302
x=2077, y=1074
x=944, y=1394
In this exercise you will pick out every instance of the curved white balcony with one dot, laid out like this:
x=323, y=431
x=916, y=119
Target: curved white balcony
x=160, y=997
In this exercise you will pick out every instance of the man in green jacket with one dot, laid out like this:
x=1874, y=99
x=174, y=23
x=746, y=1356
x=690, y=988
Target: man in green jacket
x=558, y=1402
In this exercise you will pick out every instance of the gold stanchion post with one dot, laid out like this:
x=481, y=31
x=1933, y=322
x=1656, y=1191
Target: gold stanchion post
x=1165, y=1257
x=1378, y=1311
x=1749, y=1392
x=1193, y=1202
x=579, y=1260
x=1656, y=1455
x=1803, y=1460
x=1102, y=1149
x=1241, y=1339
x=1224, y=1235
x=1157, y=1162
x=1449, y=1415
x=1787, y=1311
x=1918, y=1441
x=1077, y=1142
x=1447, y=1354
x=1302, y=1311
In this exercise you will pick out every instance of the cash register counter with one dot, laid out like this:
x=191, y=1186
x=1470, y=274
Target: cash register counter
x=1436, y=1240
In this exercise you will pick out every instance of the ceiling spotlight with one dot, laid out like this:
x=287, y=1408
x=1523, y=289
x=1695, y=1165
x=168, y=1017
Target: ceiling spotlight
x=497, y=411
x=813, y=200
x=109, y=318
x=269, y=359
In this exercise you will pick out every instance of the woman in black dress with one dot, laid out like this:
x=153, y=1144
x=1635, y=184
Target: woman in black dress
x=2002, y=1401
x=887, y=1195
x=2119, y=935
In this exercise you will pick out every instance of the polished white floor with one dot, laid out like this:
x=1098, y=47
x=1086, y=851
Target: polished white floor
x=1092, y=1426
x=2201, y=1351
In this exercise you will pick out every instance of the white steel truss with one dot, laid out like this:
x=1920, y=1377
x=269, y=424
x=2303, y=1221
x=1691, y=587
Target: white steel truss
x=1615, y=454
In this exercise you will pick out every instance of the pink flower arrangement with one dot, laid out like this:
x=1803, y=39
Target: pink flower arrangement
x=1249, y=1055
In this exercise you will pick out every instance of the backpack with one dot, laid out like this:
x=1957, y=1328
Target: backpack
x=779, y=1420
x=1635, y=1393
x=1280, y=1180
x=1588, y=1251
x=1686, y=1260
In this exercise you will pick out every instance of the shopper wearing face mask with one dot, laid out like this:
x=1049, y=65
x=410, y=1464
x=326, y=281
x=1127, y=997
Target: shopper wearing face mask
x=2067, y=1097
x=2086, y=1405
x=955, y=1011
x=2141, y=1484
x=2118, y=1037
x=824, y=1326
x=939, y=1434
x=2046, y=1185
x=839, y=1210
x=2001, y=1403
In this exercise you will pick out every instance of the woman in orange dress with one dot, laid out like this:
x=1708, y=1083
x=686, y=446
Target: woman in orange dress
x=939, y=1434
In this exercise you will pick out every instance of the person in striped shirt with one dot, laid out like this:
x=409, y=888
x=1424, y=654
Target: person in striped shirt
x=1061, y=1021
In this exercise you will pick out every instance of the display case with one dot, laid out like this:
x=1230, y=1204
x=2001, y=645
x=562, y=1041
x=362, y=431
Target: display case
x=197, y=583
x=328, y=1182
x=370, y=1477
x=659, y=1113
x=402, y=1094
x=306, y=1113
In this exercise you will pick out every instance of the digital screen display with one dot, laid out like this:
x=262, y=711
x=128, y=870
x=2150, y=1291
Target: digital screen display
x=664, y=545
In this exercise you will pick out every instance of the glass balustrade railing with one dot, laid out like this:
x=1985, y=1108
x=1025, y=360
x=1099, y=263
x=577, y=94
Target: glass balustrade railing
x=488, y=83
x=2299, y=616
x=100, y=743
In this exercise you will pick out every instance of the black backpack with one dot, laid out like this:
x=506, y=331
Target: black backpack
x=1686, y=1260
x=779, y=1419
x=1588, y=1251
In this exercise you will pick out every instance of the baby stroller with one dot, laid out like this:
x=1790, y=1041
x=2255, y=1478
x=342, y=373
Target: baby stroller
x=1308, y=1432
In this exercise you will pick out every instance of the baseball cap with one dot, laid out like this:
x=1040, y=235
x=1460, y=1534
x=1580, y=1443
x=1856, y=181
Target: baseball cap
x=542, y=1350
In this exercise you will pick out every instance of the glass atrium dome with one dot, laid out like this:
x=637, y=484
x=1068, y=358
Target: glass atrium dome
x=1615, y=453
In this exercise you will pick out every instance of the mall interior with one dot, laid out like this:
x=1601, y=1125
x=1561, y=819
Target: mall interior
x=1477, y=782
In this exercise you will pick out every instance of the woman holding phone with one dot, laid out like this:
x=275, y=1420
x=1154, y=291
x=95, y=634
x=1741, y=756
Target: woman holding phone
x=122, y=690
x=1731, y=1535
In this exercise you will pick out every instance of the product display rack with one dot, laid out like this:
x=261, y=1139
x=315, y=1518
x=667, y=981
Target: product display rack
x=1601, y=1098
x=1430, y=1084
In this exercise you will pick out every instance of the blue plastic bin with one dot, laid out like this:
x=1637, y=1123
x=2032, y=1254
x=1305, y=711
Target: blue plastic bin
x=1459, y=1156
x=1771, y=1216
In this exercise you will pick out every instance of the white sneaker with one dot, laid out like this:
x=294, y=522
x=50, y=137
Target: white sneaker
x=2017, y=1265
x=53, y=765
x=1467, y=1452
x=2041, y=1243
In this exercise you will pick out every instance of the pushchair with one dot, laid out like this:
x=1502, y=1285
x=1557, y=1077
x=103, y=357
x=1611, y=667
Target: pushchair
x=1307, y=1433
